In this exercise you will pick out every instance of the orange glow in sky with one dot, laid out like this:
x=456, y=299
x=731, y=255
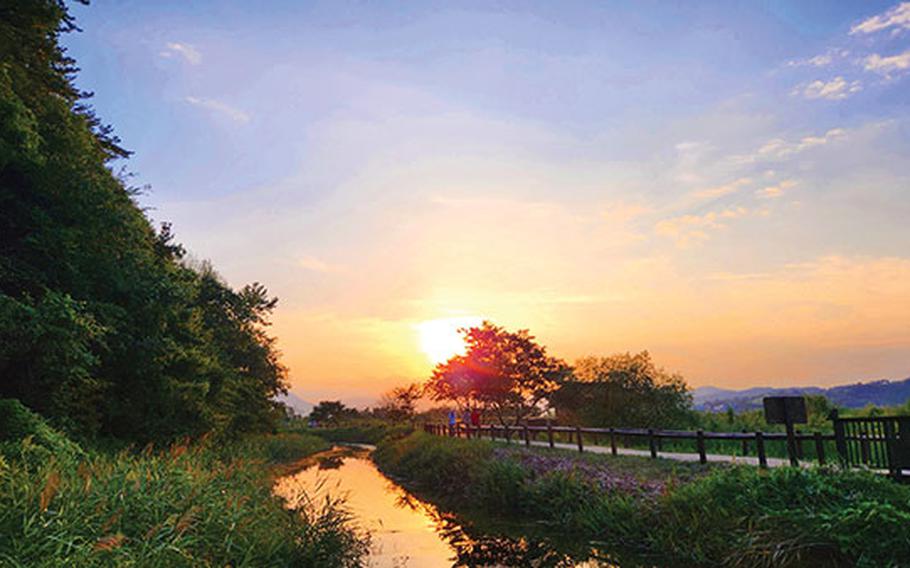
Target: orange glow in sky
x=440, y=339
x=737, y=205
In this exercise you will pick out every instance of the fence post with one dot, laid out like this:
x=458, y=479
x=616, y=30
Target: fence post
x=791, y=445
x=527, y=434
x=580, y=445
x=508, y=434
x=613, y=441
x=550, y=433
x=840, y=438
x=745, y=444
x=864, y=445
x=819, y=448
x=652, y=442
x=492, y=432
x=799, y=445
x=890, y=442
x=700, y=444
x=760, y=449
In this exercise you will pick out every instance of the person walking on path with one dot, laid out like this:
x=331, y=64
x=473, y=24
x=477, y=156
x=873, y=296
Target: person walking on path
x=452, y=420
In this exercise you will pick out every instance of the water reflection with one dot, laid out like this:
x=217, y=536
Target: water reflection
x=409, y=532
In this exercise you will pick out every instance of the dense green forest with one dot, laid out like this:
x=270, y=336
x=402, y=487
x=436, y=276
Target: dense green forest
x=105, y=328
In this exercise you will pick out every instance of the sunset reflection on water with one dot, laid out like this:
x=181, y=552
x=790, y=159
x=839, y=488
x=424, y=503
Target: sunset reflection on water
x=406, y=531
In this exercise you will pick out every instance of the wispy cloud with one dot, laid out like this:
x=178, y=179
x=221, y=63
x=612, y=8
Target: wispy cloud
x=774, y=191
x=895, y=19
x=183, y=50
x=820, y=60
x=779, y=148
x=220, y=107
x=836, y=89
x=887, y=64
x=315, y=264
x=689, y=229
x=721, y=190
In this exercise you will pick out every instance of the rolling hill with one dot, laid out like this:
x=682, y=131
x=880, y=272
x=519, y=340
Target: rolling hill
x=879, y=393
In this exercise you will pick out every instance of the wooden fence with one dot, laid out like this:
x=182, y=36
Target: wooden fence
x=652, y=436
x=876, y=442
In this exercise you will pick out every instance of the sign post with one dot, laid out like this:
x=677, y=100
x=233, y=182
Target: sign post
x=786, y=410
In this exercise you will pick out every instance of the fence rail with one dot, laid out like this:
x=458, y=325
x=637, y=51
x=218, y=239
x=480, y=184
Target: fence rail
x=652, y=436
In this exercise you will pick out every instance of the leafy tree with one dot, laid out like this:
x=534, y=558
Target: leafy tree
x=623, y=390
x=331, y=412
x=505, y=372
x=400, y=403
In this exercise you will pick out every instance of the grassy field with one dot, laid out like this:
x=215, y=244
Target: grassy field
x=200, y=504
x=685, y=513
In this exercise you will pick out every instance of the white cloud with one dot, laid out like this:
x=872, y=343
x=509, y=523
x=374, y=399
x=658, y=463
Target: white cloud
x=836, y=89
x=189, y=53
x=219, y=107
x=780, y=148
x=688, y=229
x=722, y=190
x=773, y=191
x=315, y=264
x=821, y=60
x=898, y=18
x=887, y=64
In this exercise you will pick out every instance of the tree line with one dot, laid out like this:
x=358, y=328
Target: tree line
x=105, y=327
x=511, y=378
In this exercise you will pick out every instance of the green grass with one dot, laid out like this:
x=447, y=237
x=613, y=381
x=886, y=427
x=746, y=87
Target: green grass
x=362, y=432
x=201, y=504
x=686, y=514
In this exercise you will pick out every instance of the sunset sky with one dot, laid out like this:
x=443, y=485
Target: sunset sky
x=726, y=184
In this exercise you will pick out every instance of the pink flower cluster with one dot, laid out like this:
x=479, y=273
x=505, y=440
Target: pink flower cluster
x=598, y=474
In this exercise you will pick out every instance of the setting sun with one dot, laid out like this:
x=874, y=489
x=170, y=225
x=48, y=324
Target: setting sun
x=440, y=338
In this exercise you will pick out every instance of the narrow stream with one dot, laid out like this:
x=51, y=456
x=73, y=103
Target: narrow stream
x=408, y=532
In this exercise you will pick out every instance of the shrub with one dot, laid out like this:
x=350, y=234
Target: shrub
x=788, y=515
x=363, y=432
x=28, y=438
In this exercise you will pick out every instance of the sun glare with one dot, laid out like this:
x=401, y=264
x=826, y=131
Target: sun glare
x=439, y=338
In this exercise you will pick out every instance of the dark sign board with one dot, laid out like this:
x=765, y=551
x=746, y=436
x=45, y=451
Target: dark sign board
x=785, y=409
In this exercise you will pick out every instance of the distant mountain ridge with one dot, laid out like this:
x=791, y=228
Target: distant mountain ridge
x=297, y=404
x=879, y=393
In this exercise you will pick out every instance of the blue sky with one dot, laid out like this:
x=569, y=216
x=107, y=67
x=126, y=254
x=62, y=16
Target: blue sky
x=724, y=183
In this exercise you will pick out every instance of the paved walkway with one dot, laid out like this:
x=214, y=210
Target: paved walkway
x=718, y=458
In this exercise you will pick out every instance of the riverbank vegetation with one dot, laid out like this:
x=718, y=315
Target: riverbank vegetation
x=361, y=431
x=717, y=516
x=183, y=504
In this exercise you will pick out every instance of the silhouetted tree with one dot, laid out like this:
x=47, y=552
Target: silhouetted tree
x=400, y=403
x=508, y=373
x=331, y=412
